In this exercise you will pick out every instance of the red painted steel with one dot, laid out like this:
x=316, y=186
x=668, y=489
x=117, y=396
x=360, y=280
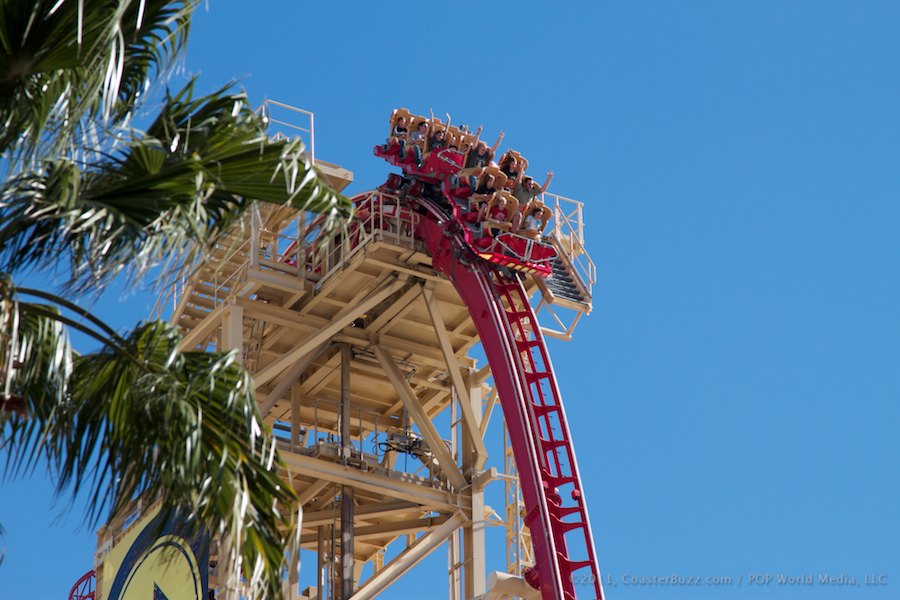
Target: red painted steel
x=532, y=406
x=84, y=587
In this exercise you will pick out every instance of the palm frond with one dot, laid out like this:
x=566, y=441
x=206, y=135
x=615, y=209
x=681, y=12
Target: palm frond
x=163, y=197
x=66, y=62
x=154, y=33
x=140, y=417
x=91, y=199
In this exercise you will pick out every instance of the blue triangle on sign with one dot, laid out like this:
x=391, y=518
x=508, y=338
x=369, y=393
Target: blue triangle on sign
x=158, y=593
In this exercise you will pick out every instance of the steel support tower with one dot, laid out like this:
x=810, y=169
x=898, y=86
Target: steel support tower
x=360, y=344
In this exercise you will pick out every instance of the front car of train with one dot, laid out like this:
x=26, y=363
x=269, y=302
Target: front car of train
x=501, y=219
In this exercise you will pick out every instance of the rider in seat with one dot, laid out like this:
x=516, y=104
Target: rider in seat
x=525, y=189
x=536, y=217
x=490, y=182
x=513, y=165
x=499, y=214
x=418, y=137
x=478, y=157
x=400, y=121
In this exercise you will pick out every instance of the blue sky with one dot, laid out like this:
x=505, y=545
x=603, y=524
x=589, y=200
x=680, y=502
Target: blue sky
x=734, y=395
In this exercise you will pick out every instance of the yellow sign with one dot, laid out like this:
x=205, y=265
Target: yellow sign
x=153, y=561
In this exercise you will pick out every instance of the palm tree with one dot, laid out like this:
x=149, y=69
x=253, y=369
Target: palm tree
x=89, y=198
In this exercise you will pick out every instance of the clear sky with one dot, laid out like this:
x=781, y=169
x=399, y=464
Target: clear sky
x=734, y=395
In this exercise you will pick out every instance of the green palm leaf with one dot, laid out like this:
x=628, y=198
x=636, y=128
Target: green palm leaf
x=66, y=61
x=162, y=197
x=139, y=418
x=87, y=198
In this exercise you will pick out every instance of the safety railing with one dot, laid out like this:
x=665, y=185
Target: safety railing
x=394, y=221
x=173, y=291
x=231, y=269
x=567, y=228
x=523, y=248
x=280, y=250
x=301, y=248
x=375, y=439
x=379, y=216
x=231, y=261
x=329, y=251
x=283, y=118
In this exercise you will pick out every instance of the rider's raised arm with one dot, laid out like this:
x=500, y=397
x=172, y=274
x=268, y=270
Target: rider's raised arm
x=547, y=183
x=477, y=135
x=497, y=143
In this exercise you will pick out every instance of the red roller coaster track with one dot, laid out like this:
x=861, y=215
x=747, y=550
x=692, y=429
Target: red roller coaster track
x=556, y=511
x=84, y=587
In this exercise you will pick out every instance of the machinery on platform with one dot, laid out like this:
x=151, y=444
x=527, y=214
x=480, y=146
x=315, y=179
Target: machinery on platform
x=359, y=345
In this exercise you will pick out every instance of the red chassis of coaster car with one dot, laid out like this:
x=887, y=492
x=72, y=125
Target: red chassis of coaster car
x=436, y=173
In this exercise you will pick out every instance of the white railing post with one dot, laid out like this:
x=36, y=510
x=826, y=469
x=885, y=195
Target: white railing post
x=312, y=137
x=581, y=222
x=301, y=245
x=272, y=120
x=255, y=223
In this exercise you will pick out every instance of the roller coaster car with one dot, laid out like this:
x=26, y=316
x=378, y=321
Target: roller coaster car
x=524, y=253
x=436, y=166
x=506, y=248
